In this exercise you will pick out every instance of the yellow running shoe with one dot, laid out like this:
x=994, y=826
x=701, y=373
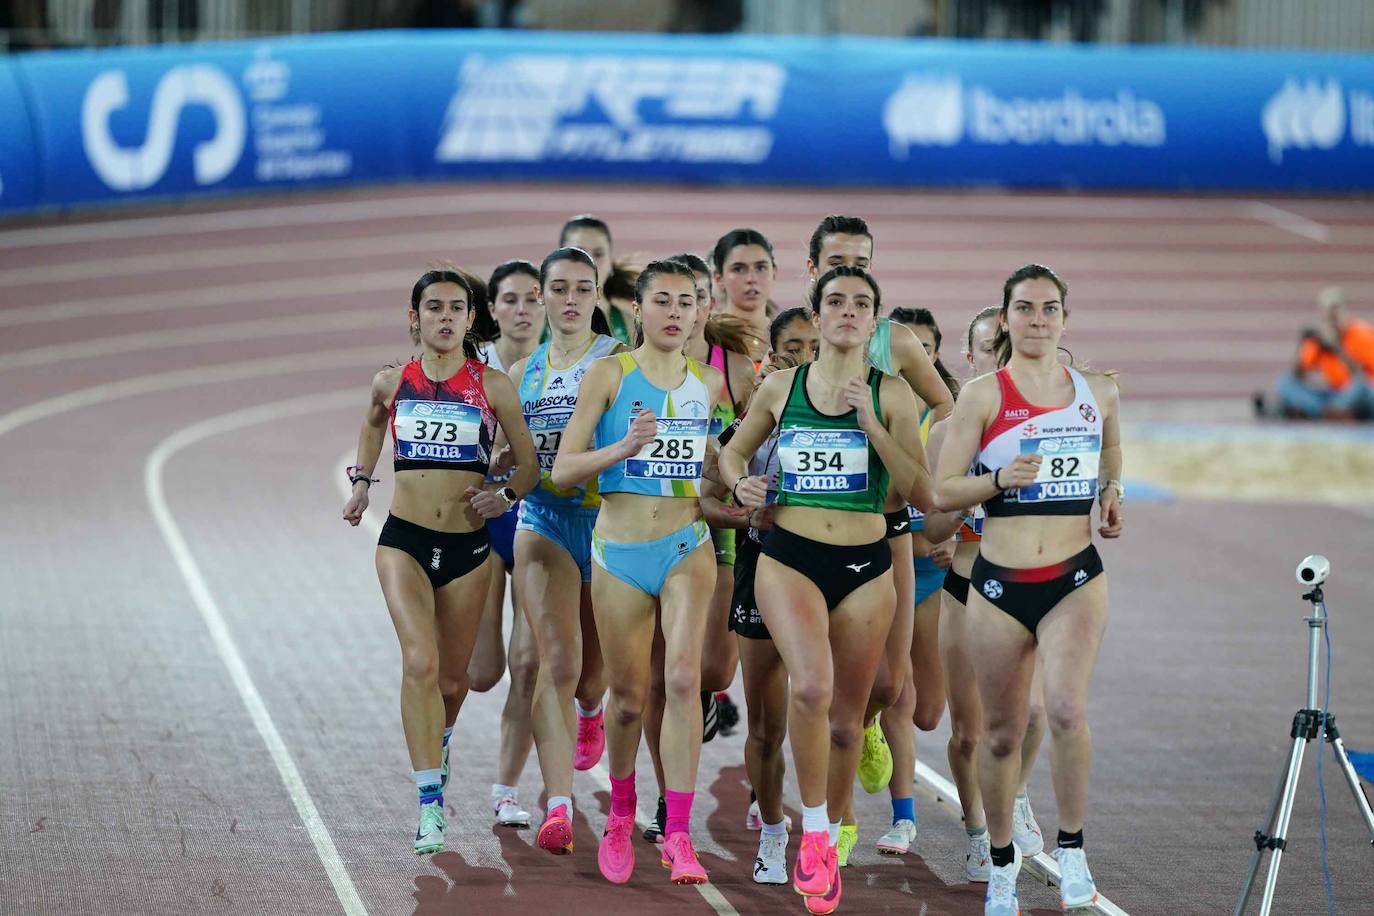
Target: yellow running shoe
x=849, y=837
x=875, y=763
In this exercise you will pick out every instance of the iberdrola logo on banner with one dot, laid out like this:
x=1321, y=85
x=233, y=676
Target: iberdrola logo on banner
x=934, y=109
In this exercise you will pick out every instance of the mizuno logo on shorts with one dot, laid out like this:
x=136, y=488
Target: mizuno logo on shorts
x=858, y=567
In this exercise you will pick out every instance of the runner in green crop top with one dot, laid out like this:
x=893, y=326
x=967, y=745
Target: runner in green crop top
x=826, y=596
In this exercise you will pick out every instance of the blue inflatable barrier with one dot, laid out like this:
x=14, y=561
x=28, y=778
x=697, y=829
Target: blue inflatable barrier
x=129, y=124
x=18, y=151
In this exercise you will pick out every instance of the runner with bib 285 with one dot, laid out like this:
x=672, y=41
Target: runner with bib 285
x=641, y=426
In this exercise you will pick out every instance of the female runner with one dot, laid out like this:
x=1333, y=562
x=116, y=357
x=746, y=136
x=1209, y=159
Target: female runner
x=894, y=350
x=593, y=236
x=745, y=271
x=443, y=409
x=961, y=687
x=517, y=315
x=793, y=341
x=913, y=651
x=641, y=426
x=826, y=597
x=725, y=343
x=553, y=544
x=1044, y=443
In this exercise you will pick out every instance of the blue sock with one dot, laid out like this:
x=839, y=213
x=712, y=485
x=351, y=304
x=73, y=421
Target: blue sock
x=903, y=809
x=448, y=733
x=427, y=783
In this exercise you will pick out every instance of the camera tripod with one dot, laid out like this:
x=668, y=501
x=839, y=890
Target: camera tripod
x=1309, y=723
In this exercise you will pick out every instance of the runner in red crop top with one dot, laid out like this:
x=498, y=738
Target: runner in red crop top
x=443, y=410
x=1048, y=442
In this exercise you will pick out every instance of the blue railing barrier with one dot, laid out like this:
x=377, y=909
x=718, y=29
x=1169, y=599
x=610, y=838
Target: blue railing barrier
x=107, y=126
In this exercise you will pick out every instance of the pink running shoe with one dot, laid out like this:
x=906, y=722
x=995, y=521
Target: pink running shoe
x=591, y=740
x=679, y=855
x=821, y=906
x=811, y=877
x=555, y=834
x=616, y=853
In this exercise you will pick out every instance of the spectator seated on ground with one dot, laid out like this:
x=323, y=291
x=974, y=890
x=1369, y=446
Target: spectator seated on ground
x=1335, y=365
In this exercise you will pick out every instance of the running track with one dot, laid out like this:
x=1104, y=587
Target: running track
x=197, y=676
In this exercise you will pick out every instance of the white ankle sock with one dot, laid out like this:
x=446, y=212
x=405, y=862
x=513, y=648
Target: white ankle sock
x=815, y=818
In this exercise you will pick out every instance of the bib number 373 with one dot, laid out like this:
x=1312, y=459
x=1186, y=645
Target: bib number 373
x=438, y=431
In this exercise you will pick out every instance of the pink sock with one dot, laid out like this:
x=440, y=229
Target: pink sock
x=679, y=806
x=623, y=795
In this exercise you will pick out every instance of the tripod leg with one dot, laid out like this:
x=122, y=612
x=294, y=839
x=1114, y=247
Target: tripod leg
x=1279, y=841
x=1261, y=837
x=1352, y=778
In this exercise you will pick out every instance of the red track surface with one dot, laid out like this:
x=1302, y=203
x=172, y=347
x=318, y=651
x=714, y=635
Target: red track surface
x=135, y=779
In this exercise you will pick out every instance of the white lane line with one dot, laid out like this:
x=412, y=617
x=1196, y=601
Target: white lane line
x=1289, y=221
x=219, y=631
x=361, y=358
x=441, y=200
x=1041, y=866
x=256, y=329
x=394, y=283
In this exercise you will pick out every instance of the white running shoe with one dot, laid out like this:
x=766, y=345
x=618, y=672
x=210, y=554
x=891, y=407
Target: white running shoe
x=429, y=836
x=978, y=859
x=1076, y=887
x=771, y=865
x=898, y=840
x=1001, y=897
x=508, y=812
x=754, y=819
x=1025, y=832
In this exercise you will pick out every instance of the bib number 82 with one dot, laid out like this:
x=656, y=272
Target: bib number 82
x=1064, y=467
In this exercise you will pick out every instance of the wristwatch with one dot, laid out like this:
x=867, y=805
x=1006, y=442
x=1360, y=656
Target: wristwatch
x=1120, y=490
x=509, y=496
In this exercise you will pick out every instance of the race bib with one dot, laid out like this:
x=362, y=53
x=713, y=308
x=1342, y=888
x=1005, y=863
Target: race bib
x=547, y=430
x=823, y=460
x=438, y=431
x=1069, y=469
x=677, y=451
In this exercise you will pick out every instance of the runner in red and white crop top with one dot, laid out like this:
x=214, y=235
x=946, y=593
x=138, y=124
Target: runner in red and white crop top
x=445, y=425
x=1069, y=439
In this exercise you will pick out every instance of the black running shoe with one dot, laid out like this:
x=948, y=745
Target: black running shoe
x=710, y=716
x=654, y=832
x=727, y=712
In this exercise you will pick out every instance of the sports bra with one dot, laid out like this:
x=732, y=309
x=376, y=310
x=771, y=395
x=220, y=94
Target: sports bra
x=670, y=464
x=547, y=398
x=827, y=461
x=444, y=425
x=1069, y=438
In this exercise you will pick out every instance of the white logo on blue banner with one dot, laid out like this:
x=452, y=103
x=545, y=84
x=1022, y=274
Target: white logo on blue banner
x=676, y=452
x=536, y=107
x=438, y=431
x=936, y=109
x=1068, y=471
x=823, y=460
x=547, y=430
x=135, y=168
x=1306, y=115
